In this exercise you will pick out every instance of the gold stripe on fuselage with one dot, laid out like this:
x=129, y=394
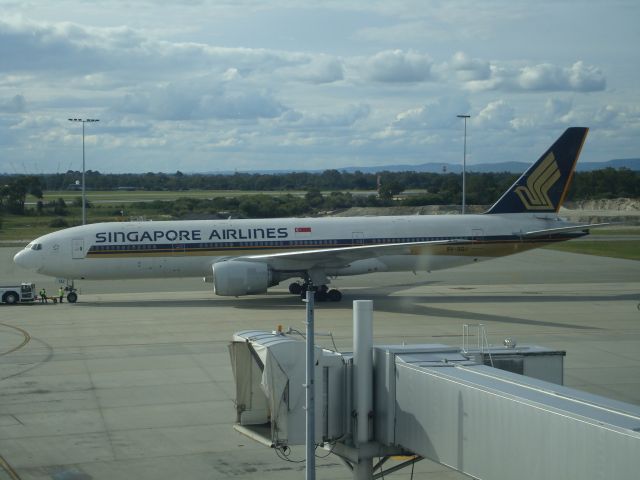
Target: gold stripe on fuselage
x=494, y=248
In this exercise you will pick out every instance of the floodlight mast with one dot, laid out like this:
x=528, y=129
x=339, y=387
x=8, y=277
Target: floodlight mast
x=84, y=203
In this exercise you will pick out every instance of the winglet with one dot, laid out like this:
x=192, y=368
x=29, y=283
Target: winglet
x=544, y=186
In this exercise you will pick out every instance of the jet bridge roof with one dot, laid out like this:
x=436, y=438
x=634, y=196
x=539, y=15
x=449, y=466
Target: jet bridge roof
x=491, y=423
x=438, y=402
x=563, y=400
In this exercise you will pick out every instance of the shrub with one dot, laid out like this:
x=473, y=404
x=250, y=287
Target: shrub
x=58, y=222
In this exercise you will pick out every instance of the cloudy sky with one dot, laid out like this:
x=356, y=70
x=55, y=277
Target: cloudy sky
x=208, y=85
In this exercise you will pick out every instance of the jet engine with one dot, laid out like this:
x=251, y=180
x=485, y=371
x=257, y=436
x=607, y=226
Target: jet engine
x=234, y=278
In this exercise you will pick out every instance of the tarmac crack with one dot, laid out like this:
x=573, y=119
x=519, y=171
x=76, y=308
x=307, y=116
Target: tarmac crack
x=107, y=431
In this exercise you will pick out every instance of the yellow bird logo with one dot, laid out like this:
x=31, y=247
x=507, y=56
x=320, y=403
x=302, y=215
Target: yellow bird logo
x=535, y=196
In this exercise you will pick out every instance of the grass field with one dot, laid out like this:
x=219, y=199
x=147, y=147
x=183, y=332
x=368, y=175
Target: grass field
x=615, y=231
x=110, y=196
x=18, y=228
x=629, y=249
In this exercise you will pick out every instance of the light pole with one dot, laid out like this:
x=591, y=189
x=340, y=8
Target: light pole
x=83, y=121
x=464, y=163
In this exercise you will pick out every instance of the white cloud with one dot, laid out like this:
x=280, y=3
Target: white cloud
x=607, y=115
x=547, y=77
x=69, y=49
x=35, y=123
x=495, y=115
x=231, y=74
x=585, y=78
x=337, y=119
x=319, y=69
x=239, y=105
x=469, y=69
x=559, y=113
x=439, y=114
x=16, y=104
x=337, y=83
x=200, y=99
x=544, y=77
x=227, y=142
x=410, y=31
x=419, y=22
x=557, y=107
x=398, y=66
x=64, y=47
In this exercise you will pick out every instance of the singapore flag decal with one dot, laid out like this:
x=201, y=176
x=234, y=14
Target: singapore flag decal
x=303, y=229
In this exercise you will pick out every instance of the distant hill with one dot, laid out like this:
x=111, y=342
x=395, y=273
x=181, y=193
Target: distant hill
x=512, y=167
x=630, y=163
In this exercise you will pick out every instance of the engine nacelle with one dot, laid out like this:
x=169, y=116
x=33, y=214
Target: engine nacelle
x=234, y=278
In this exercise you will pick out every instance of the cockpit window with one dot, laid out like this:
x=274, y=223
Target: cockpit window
x=36, y=246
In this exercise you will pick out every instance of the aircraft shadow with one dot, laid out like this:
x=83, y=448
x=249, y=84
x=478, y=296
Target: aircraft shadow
x=385, y=301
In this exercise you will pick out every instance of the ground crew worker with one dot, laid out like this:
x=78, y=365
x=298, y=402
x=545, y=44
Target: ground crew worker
x=61, y=293
x=43, y=296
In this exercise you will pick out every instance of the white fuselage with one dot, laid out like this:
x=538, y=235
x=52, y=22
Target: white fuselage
x=190, y=248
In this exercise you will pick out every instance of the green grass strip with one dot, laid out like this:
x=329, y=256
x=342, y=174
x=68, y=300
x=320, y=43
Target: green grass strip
x=614, y=231
x=628, y=249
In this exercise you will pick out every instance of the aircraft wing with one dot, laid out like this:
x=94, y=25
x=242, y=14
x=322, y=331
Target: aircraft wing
x=343, y=256
x=551, y=231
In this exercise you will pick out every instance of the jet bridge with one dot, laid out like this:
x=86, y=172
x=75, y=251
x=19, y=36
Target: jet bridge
x=269, y=370
x=494, y=424
x=437, y=402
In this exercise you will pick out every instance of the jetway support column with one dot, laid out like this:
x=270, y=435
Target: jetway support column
x=310, y=416
x=363, y=384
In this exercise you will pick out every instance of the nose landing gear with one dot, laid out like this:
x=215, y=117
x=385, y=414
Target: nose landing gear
x=72, y=296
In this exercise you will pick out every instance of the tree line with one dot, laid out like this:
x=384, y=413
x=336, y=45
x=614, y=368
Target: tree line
x=605, y=183
x=429, y=189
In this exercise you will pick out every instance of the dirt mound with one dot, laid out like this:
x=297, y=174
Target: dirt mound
x=423, y=210
x=624, y=210
x=616, y=204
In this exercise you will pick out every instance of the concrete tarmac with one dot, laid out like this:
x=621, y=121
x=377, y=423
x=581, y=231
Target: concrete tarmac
x=134, y=381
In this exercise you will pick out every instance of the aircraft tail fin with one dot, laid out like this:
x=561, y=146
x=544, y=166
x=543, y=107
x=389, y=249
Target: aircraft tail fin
x=544, y=186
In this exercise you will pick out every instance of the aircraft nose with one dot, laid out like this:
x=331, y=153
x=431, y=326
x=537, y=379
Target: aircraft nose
x=26, y=259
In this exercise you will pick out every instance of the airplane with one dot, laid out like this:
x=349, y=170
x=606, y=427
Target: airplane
x=246, y=257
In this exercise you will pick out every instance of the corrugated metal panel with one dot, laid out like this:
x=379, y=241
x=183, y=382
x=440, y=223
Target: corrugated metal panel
x=270, y=388
x=530, y=360
x=497, y=425
x=384, y=358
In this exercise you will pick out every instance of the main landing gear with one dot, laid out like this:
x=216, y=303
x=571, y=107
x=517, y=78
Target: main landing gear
x=322, y=293
x=72, y=296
